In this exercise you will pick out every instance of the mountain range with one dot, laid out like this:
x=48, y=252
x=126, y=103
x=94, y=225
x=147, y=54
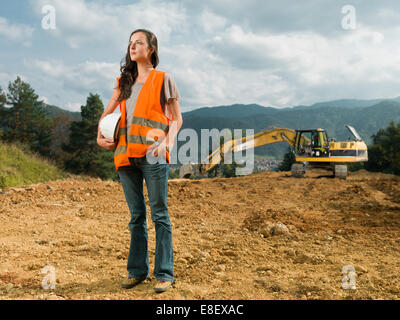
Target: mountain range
x=366, y=116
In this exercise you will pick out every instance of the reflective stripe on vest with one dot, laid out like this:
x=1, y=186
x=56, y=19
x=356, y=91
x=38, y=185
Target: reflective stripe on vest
x=149, y=124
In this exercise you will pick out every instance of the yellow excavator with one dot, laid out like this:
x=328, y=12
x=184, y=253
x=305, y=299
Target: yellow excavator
x=312, y=149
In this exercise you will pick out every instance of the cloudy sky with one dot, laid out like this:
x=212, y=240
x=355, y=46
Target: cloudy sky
x=220, y=52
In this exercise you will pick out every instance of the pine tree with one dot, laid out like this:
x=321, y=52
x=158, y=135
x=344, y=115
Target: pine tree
x=384, y=154
x=288, y=160
x=26, y=121
x=3, y=111
x=85, y=155
x=229, y=170
x=2, y=99
x=60, y=133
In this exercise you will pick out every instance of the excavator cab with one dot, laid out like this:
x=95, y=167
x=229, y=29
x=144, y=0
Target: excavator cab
x=311, y=143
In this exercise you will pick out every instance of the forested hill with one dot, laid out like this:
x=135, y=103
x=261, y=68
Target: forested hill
x=54, y=111
x=366, y=116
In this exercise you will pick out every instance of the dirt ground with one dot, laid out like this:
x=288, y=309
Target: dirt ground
x=261, y=236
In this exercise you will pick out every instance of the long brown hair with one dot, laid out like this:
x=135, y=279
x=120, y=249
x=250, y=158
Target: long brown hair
x=129, y=71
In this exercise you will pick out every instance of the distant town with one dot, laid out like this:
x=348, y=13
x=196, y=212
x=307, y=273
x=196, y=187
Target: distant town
x=266, y=165
x=259, y=165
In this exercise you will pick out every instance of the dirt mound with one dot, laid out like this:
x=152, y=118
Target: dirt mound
x=262, y=236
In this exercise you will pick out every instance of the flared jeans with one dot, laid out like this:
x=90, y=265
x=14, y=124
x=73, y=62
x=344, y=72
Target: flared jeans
x=156, y=177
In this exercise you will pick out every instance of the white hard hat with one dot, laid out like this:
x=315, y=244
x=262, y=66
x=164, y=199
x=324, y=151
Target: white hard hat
x=109, y=125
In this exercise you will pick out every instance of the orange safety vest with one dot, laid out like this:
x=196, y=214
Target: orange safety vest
x=149, y=124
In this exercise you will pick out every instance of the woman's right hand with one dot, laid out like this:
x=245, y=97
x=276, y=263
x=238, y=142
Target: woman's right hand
x=105, y=143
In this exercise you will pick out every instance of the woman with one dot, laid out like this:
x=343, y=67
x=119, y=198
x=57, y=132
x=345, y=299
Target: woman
x=150, y=121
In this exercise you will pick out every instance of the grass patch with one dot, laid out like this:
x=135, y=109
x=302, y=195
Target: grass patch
x=19, y=167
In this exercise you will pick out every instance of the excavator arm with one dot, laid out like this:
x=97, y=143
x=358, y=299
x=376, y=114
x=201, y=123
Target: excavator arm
x=268, y=136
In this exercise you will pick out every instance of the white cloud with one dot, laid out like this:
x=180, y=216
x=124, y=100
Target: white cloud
x=74, y=80
x=84, y=76
x=225, y=52
x=206, y=79
x=52, y=68
x=4, y=78
x=387, y=13
x=238, y=66
x=16, y=32
x=44, y=99
x=73, y=106
x=81, y=22
x=211, y=22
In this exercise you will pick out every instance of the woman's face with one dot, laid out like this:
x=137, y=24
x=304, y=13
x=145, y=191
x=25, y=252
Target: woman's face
x=138, y=48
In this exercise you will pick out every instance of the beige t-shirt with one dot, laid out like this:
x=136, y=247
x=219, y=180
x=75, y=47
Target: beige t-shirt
x=170, y=91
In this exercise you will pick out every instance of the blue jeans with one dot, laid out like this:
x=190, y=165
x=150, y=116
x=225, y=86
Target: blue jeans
x=156, y=177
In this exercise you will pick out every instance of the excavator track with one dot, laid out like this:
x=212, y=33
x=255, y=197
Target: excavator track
x=298, y=170
x=340, y=171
